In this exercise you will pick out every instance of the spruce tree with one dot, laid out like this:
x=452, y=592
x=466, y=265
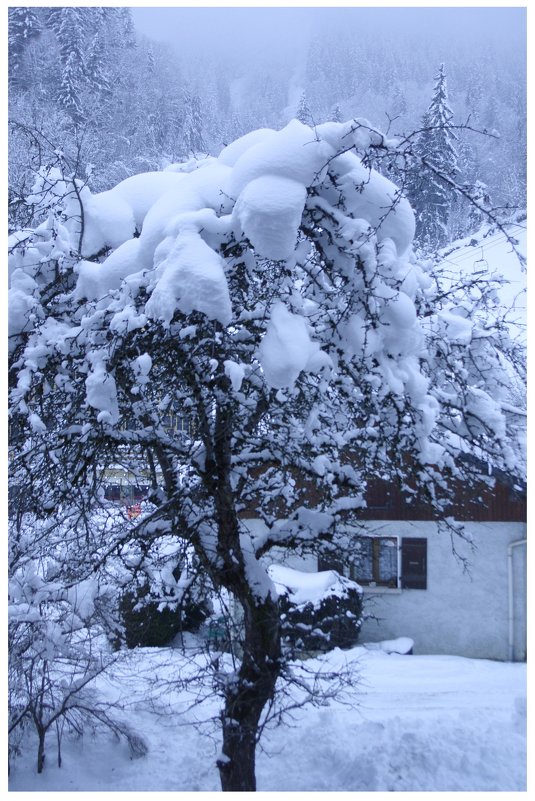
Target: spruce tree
x=97, y=73
x=336, y=113
x=435, y=156
x=192, y=130
x=399, y=102
x=151, y=62
x=23, y=26
x=303, y=113
x=71, y=34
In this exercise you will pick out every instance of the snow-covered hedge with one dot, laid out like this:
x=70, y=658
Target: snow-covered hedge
x=319, y=611
x=151, y=623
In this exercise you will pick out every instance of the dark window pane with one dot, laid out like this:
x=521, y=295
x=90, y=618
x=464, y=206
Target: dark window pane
x=362, y=567
x=112, y=492
x=378, y=494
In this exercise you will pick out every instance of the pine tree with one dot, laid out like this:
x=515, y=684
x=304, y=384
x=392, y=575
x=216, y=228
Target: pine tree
x=303, y=113
x=399, y=102
x=71, y=34
x=336, y=113
x=97, y=75
x=192, y=129
x=475, y=92
x=129, y=32
x=435, y=156
x=23, y=26
x=151, y=62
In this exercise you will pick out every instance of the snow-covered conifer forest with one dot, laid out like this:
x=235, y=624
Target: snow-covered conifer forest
x=231, y=306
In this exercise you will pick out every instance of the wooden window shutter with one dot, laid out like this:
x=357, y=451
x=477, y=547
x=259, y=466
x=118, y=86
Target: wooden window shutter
x=414, y=563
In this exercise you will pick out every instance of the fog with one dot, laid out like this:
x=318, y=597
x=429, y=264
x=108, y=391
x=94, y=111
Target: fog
x=252, y=67
x=238, y=32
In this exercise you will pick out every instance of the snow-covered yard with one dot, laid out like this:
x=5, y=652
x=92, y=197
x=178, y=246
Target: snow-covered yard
x=423, y=723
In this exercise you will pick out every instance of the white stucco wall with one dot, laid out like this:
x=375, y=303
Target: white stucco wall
x=459, y=613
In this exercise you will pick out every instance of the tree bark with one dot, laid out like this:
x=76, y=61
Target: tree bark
x=248, y=695
x=41, y=751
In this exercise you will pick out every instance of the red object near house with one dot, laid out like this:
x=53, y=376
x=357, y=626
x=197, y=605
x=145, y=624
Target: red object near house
x=134, y=511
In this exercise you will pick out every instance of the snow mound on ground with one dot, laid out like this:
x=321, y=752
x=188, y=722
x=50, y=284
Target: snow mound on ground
x=401, y=645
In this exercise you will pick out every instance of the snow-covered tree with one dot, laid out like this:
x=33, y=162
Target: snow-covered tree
x=192, y=129
x=151, y=63
x=55, y=624
x=399, y=102
x=23, y=26
x=71, y=31
x=97, y=72
x=303, y=113
x=336, y=113
x=436, y=155
x=271, y=297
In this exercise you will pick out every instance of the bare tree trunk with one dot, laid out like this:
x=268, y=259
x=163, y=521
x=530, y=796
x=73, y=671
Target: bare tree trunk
x=248, y=696
x=41, y=751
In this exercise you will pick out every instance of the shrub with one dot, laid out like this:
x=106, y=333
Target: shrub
x=147, y=623
x=319, y=611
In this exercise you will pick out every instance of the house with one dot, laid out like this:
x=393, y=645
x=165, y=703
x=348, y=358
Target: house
x=452, y=594
x=460, y=593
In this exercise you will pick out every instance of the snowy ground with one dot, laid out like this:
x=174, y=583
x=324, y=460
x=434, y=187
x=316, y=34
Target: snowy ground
x=423, y=723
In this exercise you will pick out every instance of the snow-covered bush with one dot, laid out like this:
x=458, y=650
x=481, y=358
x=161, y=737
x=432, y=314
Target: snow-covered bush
x=56, y=642
x=319, y=611
x=152, y=623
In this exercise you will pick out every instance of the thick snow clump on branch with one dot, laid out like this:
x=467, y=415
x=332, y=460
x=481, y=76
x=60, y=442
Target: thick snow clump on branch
x=287, y=349
x=304, y=216
x=261, y=180
x=256, y=190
